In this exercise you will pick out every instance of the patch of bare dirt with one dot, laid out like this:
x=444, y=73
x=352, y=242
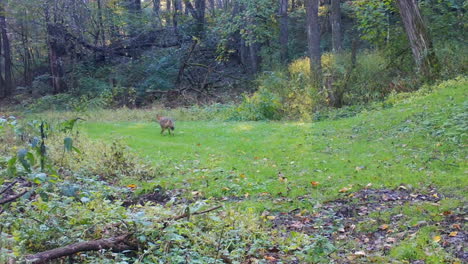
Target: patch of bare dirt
x=353, y=223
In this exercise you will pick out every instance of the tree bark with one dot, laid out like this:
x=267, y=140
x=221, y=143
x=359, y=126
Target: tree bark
x=56, y=49
x=254, y=58
x=156, y=7
x=175, y=18
x=2, y=81
x=313, y=37
x=118, y=244
x=419, y=39
x=212, y=6
x=8, y=76
x=335, y=21
x=101, y=23
x=200, y=6
x=168, y=11
x=284, y=33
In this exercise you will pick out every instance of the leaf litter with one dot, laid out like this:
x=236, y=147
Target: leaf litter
x=350, y=224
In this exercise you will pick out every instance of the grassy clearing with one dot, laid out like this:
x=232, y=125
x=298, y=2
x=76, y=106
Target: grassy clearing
x=418, y=141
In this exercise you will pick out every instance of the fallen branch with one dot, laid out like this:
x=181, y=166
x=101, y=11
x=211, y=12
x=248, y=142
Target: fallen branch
x=8, y=187
x=12, y=198
x=196, y=213
x=118, y=244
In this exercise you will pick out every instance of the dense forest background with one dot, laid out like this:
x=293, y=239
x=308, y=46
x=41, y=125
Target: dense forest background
x=73, y=55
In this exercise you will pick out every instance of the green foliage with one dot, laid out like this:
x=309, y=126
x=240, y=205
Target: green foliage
x=41, y=85
x=416, y=248
x=373, y=17
x=262, y=105
x=254, y=22
x=238, y=162
x=416, y=121
x=446, y=19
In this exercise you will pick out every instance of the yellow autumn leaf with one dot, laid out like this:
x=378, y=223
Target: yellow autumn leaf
x=271, y=217
x=453, y=234
x=436, y=239
x=133, y=186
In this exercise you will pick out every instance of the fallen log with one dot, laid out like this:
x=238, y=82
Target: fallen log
x=117, y=244
x=12, y=198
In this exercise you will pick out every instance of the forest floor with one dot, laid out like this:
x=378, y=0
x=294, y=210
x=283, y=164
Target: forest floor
x=385, y=185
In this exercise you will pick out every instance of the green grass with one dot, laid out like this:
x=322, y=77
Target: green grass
x=419, y=141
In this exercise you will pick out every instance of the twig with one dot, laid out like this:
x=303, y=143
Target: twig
x=196, y=213
x=8, y=187
x=12, y=198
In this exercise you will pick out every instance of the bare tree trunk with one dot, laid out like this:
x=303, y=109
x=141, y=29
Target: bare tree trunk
x=284, y=34
x=175, y=20
x=55, y=51
x=335, y=21
x=199, y=14
x=313, y=37
x=101, y=23
x=212, y=6
x=2, y=82
x=27, y=74
x=168, y=11
x=254, y=58
x=418, y=36
x=156, y=7
x=200, y=6
x=8, y=81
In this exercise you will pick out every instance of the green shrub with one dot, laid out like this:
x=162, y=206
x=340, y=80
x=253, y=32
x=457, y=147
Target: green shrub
x=262, y=105
x=41, y=85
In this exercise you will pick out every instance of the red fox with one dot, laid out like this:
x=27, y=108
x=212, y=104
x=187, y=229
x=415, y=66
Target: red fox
x=165, y=123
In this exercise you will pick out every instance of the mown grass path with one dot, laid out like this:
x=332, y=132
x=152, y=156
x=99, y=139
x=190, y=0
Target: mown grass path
x=416, y=142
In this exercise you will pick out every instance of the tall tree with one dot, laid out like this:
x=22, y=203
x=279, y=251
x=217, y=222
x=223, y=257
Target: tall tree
x=313, y=37
x=2, y=82
x=335, y=21
x=284, y=33
x=418, y=36
x=156, y=7
x=8, y=77
x=175, y=18
x=168, y=11
x=198, y=12
x=102, y=31
x=55, y=45
x=200, y=6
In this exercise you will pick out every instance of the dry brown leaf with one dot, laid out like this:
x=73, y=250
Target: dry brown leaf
x=314, y=183
x=383, y=227
x=270, y=258
x=344, y=189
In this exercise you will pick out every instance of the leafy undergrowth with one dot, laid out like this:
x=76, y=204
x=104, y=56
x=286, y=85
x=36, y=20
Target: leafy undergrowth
x=384, y=186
